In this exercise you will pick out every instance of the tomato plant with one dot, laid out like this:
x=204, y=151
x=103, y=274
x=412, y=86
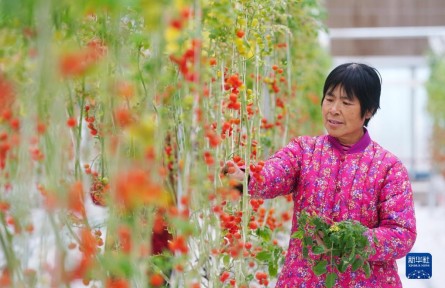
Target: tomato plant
x=115, y=117
x=339, y=245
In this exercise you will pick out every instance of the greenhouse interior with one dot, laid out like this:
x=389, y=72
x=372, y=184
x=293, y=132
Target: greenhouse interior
x=213, y=144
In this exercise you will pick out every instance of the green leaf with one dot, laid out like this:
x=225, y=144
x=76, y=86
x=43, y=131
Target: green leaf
x=328, y=242
x=337, y=252
x=299, y=234
x=226, y=260
x=330, y=280
x=349, y=242
x=367, y=269
x=265, y=233
x=162, y=261
x=317, y=250
x=320, y=268
x=265, y=141
x=308, y=240
x=277, y=252
x=264, y=256
x=305, y=252
x=120, y=265
x=358, y=262
x=273, y=269
x=320, y=224
x=341, y=267
x=183, y=225
x=334, y=237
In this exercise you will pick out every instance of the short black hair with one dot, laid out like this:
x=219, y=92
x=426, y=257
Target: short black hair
x=359, y=80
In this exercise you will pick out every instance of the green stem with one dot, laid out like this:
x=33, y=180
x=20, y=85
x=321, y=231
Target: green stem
x=77, y=168
x=102, y=157
x=141, y=79
x=289, y=85
x=7, y=247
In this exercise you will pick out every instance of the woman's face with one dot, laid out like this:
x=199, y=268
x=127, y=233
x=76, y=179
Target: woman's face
x=341, y=116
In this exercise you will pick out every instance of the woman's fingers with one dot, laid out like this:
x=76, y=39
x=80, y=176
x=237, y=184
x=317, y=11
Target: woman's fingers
x=232, y=170
x=225, y=168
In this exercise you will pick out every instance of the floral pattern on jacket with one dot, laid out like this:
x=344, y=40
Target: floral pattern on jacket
x=367, y=184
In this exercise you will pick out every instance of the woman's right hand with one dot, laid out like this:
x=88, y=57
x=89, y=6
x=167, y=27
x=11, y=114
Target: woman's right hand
x=231, y=170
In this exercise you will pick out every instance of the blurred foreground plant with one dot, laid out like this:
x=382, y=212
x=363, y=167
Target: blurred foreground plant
x=114, y=119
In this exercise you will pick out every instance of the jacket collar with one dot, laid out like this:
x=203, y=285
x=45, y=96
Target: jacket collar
x=357, y=147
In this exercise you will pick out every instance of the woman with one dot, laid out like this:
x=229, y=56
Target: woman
x=344, y=175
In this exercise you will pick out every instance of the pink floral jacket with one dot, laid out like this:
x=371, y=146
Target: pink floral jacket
x=367, y=183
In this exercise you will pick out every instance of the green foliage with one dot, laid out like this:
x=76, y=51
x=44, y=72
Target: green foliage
x=271, y=255
x=330, y=279
x=107, y=89
x=434, y=87
x=436, y=102
x=341, y=245
x=309, y=77
x=116, y=264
